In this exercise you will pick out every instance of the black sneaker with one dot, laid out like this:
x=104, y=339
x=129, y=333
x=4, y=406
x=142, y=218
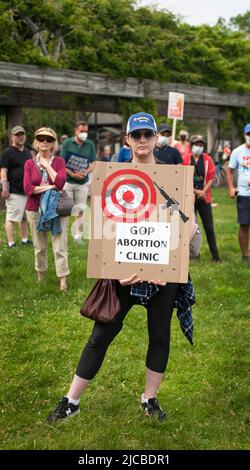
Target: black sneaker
x=151, y=408
x=63, y=410
x=28, y=242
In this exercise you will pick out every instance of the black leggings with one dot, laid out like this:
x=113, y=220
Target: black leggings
x=159, y=313
x=205, y=211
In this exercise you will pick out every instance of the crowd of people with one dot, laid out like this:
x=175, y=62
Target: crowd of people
x=31, y=187
x=77, y=155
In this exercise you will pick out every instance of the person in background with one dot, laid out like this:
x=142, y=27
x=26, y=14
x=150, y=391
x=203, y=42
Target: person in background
x=163, y=152
x=62, y=139
x=106, y=156
x=2, y=200
x=157, y=296
x=79, y=154
x=226, y=152
x=183, y=144
x=240, y=161
x=44, y=173
x=218, y=155
x=204, y=172
x=12, y=171
x=124, y=153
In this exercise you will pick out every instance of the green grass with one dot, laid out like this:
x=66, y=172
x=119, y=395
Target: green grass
x=205, y=391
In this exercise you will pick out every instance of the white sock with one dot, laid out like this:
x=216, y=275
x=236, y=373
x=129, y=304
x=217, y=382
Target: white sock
x=11, y=243
x=75, y=402
x=24, y=240
x=143, y=399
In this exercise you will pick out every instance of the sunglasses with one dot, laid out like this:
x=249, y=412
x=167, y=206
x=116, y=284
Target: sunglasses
x=45, y=138
x=137, y=135
x=248, y=133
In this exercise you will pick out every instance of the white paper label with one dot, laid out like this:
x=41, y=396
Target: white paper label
x=146, y=242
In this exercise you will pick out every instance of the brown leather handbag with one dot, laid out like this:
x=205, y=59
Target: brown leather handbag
x=65, y=204
x=102, y=304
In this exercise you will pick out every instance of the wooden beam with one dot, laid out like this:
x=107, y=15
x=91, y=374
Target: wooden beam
x=31, y=77
x=70, y=82
x=196, y=111
x=50, y=100
x=196, y=94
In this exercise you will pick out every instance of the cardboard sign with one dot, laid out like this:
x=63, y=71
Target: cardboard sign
x=140, y=221
x=175, y=105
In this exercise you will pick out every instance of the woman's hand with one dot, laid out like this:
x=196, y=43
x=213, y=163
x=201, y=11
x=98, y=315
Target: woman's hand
x=201, y=194
x=44, y=187
x=158, y=282
x=131, y=280
x=44, y=163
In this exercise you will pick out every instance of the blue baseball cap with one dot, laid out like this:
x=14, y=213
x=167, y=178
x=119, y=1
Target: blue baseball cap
x=141, y=121
x=247, y=128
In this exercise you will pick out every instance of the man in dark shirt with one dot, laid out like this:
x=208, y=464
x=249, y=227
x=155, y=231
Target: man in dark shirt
x=12, y=170
x=163, y=152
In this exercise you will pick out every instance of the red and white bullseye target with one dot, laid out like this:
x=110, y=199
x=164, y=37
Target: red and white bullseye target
x=128, y=196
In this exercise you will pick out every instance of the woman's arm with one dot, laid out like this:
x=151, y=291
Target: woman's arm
x=27, y=184
x=131, y=280
x=134, y=279
x=44, y=163
x=58, y=177
x=43, y=188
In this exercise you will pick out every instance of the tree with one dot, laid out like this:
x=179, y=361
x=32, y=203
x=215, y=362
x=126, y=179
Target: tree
x=120, y=39
x=241, y=22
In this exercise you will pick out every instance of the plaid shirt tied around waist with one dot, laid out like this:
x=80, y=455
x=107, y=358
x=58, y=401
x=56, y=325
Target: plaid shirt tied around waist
x=144, y=292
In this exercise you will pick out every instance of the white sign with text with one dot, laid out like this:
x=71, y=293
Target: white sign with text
x=145, y=242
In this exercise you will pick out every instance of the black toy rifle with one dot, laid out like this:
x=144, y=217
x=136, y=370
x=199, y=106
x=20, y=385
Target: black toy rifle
x=170, y=201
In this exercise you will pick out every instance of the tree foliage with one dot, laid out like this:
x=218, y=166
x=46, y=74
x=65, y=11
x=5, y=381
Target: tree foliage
x=241, y=22
x=119, y=39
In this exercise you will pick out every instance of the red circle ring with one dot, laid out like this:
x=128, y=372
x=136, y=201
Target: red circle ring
x=139, y=174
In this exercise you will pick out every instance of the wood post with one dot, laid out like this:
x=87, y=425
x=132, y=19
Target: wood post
x=212, y=136
x=14, y=116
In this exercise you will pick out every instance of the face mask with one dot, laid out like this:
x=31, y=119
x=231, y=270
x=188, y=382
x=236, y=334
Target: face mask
x=196, y=150
x=162, y=140
x=248, y=139
x=82, y=136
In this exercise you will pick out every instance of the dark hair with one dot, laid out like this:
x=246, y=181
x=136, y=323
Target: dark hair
x=81, y=123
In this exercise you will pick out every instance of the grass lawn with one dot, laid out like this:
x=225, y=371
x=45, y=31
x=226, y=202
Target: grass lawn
x=205, y=391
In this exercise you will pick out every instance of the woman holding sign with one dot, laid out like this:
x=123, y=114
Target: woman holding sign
x=158, y=297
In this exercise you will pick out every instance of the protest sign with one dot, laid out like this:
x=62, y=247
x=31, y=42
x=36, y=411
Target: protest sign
x=175, y=109
x=175, y=105
x=140, y=221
